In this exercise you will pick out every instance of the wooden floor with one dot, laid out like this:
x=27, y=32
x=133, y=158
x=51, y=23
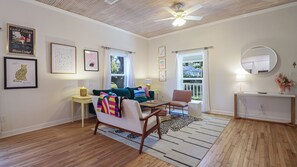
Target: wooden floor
x=243, y=143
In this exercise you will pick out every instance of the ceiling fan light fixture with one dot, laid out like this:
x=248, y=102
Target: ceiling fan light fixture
x=179, y=22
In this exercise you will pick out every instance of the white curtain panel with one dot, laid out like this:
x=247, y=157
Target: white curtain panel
x=107, y=68
x=179, y=65
x=130, y=71
x=205, y=87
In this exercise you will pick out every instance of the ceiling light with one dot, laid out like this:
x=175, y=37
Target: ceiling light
x=179, y=22
x=111, y=2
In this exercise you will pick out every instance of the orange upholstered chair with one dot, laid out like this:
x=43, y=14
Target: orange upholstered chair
x=180, y=99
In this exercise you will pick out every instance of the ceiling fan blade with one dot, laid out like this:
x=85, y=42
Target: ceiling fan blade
x=192, y=9
x=193, y=17
x=170, y=11
x=169, y=18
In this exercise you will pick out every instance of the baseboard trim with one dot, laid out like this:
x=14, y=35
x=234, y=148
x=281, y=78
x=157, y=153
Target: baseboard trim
x=264, y=118
x=221, y=112
x=253, y=117
x=5, y=134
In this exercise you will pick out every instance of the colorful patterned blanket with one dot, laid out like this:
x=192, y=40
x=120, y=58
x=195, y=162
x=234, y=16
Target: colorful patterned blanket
x=110, y=105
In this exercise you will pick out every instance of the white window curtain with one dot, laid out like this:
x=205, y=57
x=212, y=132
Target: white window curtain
x=107, y=69
x=130, y=71
x=205, y=87
x=179, y=65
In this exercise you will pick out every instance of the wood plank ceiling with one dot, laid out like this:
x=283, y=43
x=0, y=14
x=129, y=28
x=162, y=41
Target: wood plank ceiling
x=137, y=16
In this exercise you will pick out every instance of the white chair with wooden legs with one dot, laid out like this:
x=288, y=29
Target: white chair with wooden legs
x=133, y=120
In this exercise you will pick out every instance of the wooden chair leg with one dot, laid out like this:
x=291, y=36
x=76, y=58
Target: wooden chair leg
x=96, y=127
x=159, y=132
x=141, y=144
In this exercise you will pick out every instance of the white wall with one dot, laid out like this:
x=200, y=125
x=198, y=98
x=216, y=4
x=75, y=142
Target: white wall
x=275, y=28
x=50, y=104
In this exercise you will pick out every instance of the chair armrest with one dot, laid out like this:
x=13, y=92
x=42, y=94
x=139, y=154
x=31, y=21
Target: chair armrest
x=156, y=112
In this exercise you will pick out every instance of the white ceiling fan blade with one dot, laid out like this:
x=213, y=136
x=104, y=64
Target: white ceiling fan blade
x=193, y=17
x=170, y=11
x=169, y=18
x=193, y=9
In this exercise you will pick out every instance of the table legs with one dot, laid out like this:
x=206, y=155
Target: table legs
x=293, y=111
x=235, y=106
x=82, y=115
x=72, y=109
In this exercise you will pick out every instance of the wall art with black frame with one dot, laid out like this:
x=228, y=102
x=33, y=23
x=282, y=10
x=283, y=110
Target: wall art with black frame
x=20, y=73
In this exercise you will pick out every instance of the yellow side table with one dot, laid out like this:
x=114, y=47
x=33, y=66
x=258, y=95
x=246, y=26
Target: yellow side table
x=84, y=101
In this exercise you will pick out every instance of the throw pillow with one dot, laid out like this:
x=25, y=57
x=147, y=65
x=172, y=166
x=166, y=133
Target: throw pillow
x=146, y=92
x=122, y=92
x=139, y=95
x=97, y=92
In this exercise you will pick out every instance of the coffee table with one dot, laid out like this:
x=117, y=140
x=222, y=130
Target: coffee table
x=153, y=104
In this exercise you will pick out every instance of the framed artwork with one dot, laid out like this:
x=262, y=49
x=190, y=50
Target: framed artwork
x=162, y=51
x=20, y=73
x=162, y=76
x=20, y=40
x=63, y=59
x=162, y=63
x=91, y=60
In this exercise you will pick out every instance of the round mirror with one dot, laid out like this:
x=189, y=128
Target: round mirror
x=259, y=60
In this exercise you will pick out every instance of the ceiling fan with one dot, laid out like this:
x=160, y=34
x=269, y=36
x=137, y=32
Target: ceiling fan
x=179, y=15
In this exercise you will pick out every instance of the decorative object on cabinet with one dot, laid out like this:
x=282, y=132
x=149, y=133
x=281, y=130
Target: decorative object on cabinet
x=148, y=83
x=20, y=40
x=91, y=60
x=284, y=83
x=83, y=84
x=20, y=73
x=162, y=63
x=240, y=78
x=259, y=60
x=162, y=76
x=63, y=59
x=162, y=51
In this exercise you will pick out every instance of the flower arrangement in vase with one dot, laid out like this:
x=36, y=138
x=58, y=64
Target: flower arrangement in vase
x=283, y=82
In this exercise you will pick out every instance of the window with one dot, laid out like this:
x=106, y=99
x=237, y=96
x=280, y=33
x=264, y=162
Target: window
x=191, y=74
x=118, y=71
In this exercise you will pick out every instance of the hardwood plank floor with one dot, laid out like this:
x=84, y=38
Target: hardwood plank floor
x=243, y=143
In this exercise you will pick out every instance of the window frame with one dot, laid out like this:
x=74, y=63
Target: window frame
x=125, y=75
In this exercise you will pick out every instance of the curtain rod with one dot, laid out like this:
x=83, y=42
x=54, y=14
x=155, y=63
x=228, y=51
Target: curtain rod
x=106, y=47
x=208, y=47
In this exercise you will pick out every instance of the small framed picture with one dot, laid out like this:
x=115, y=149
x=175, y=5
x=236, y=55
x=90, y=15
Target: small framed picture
x=63, y=59
x=91, y=60
x=20, y=73
x=162, y=63
x=162, y=76
x=20, y=40
x=162, y=51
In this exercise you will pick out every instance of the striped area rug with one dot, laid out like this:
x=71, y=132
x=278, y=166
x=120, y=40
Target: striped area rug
x=185, y=147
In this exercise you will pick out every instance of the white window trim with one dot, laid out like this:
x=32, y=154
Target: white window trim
x=124, y=55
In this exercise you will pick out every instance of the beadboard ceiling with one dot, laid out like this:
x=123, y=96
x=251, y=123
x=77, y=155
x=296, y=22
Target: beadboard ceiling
x=137, y=16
